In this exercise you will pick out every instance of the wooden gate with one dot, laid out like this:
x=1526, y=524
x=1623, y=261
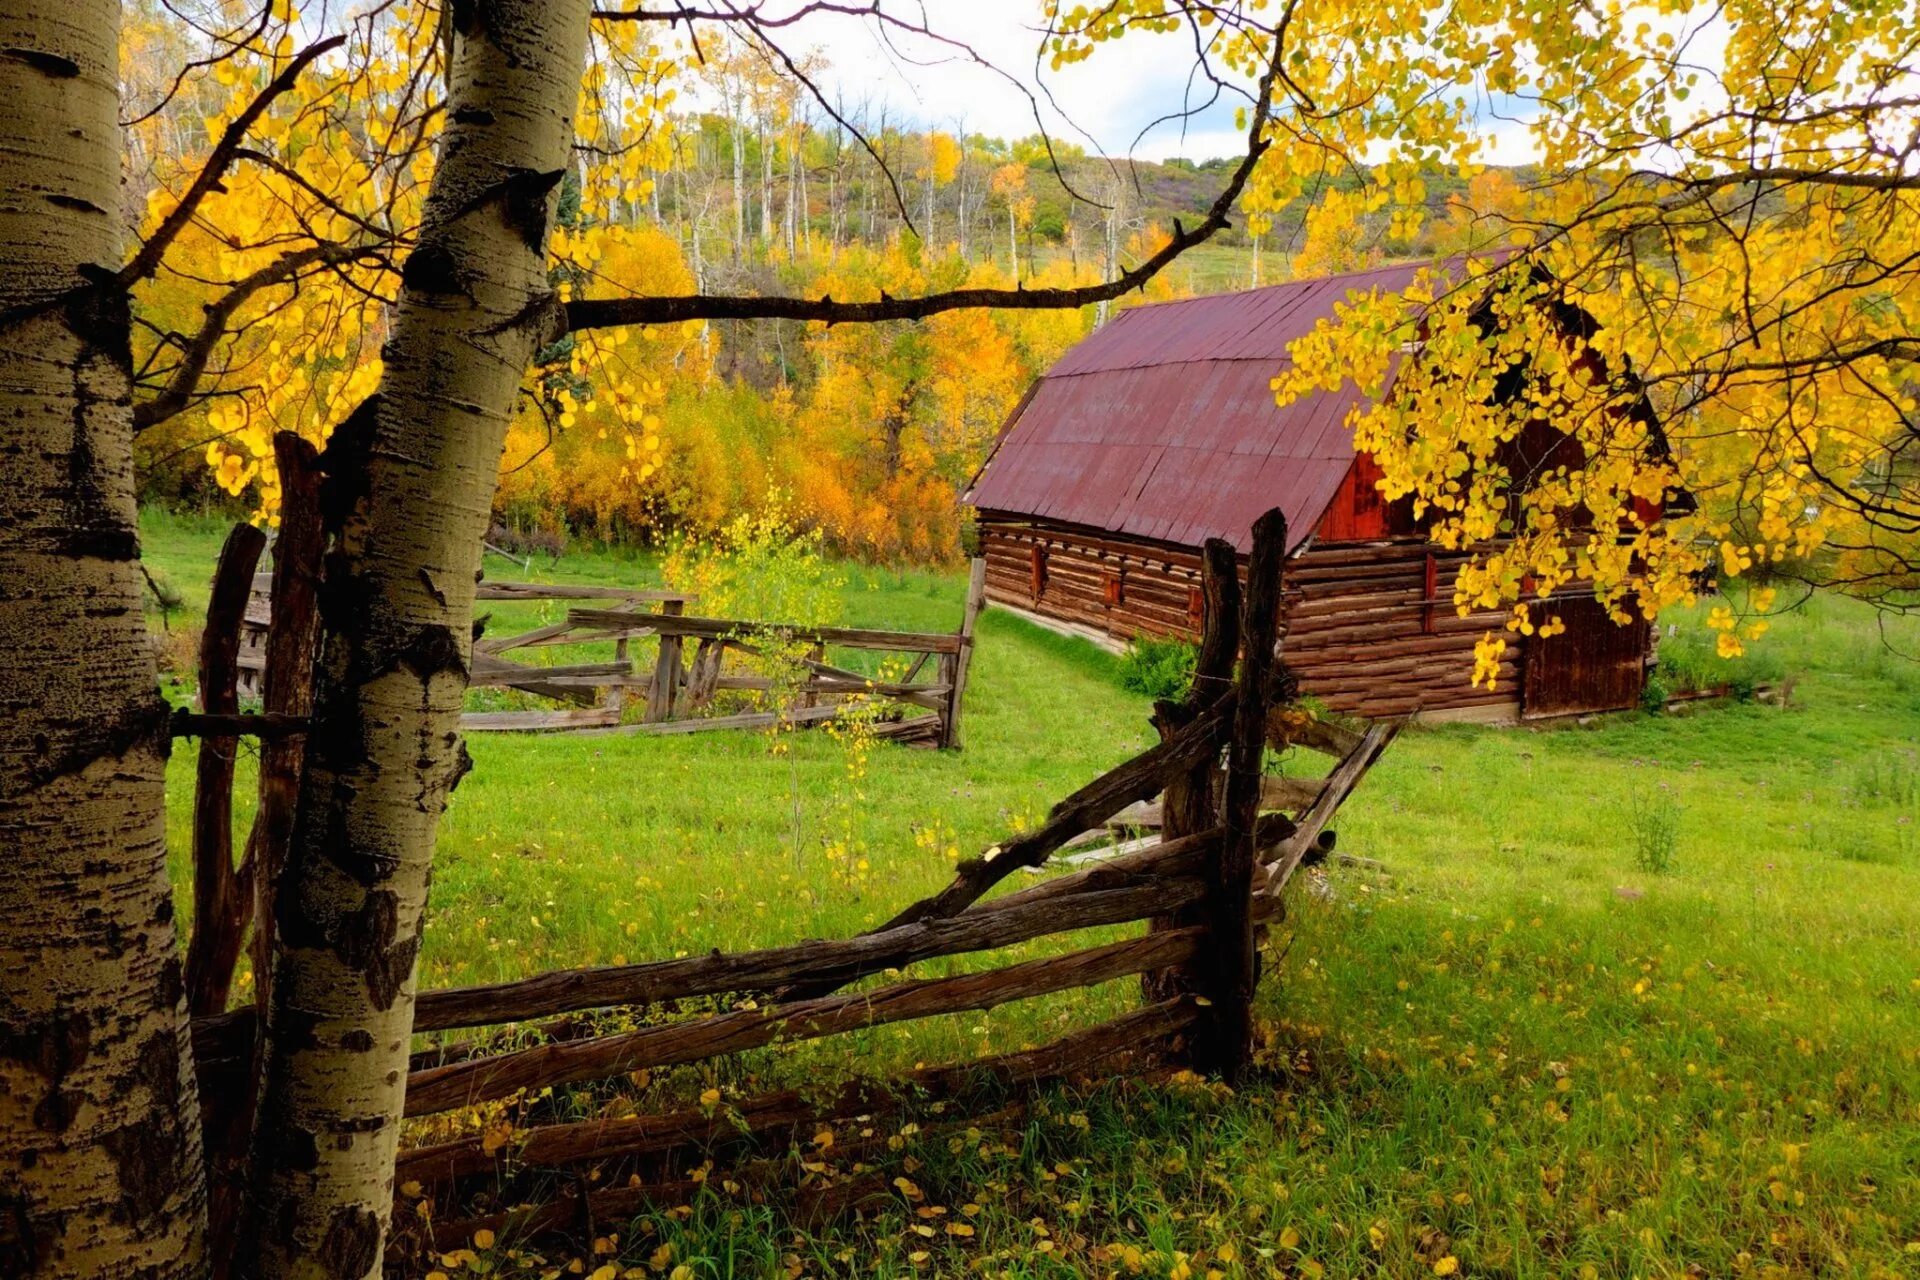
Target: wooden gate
x=1594, y=665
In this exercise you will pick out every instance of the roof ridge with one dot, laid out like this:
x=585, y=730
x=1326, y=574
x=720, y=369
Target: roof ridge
x=1303, y=281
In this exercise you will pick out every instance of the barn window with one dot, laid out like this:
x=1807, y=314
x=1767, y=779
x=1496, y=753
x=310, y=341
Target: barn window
x=1111, y=589
x=1038, y=568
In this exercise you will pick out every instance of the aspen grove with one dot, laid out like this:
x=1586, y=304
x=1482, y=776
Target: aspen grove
x=628, y=269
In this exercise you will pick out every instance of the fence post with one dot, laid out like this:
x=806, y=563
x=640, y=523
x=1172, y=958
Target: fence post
x=664, y=690
x=1189, y=805
x=956, y=671
x=1223, y=1041
x=286, y=682
x=219, y=920
x=616, y=694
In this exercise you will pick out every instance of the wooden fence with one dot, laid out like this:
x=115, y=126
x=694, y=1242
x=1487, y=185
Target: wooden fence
x=691, y=666
x=1204, y=890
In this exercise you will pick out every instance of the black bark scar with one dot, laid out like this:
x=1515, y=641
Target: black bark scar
x=40, y=60
x=351, y=1246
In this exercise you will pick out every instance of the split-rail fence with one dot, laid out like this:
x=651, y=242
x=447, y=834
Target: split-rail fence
x=1229, y=842
x=690, y=669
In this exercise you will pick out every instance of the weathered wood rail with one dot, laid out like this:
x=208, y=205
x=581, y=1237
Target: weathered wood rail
x=1181, y=917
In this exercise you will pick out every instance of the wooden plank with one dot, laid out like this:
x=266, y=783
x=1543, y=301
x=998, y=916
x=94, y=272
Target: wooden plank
x=489, y=670
x=1189, y=806
x=745, y=720
x=836, y=685
x=574, y=591
x=538, y=635
x=976, y=599
x=1280, y=865
x=594, y=1140
x=1140, y=778
x=569, y=1062
x=538, y=721
x=1291, y=727
x=615, y=692
x=292, y=644
x=914, y=728
x=839, y=959
x=1292, y=794
x=581, y=635
x=670, y=625
x=707, y=658
x=1164, y=860
x=664, y=693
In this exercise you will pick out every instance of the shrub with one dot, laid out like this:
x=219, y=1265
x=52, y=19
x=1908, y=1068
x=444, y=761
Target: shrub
x=1159, y=668
x=760, y=567
x=1654, y=822
x=1654, y=694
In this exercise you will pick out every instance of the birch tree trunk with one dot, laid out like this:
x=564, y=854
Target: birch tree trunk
x=411, y=479
x=100, y=1171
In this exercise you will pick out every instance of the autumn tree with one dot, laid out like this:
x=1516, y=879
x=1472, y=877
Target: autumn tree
x=1009, y=183
x=1708, y=282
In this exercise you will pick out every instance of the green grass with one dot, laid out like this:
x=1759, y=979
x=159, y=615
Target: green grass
x=1514, y=1047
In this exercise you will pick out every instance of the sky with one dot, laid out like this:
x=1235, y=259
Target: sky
x=1102, y=104
x=1114, y=103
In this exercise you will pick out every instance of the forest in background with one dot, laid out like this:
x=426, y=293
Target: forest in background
x=867, y=433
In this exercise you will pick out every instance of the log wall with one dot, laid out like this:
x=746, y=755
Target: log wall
x=1368, y=627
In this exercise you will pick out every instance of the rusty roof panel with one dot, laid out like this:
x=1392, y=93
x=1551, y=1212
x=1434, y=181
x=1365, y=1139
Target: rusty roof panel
x=1255, y=325
x=1162, y=424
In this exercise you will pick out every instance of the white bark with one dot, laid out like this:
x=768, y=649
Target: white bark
x=412, y=482
x=100, y=1170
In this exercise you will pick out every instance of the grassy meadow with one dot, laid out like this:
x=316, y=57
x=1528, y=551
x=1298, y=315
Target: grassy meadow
x=1632, y=997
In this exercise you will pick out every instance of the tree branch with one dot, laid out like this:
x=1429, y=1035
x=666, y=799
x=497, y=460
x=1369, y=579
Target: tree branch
x=198, y=350
x=597, y=313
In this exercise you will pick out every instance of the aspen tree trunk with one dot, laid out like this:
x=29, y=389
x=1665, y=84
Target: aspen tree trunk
x=100, y=1171
x=411, y=478
x=735, y=113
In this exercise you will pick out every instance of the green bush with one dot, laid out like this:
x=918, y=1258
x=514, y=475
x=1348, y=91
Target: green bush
x=1157, y=667
x=1654, y=694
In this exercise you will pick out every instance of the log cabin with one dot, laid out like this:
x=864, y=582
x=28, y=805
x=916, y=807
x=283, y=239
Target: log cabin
x=1160, y=431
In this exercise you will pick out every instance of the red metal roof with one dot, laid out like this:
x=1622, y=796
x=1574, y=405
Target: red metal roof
x=1162, y=424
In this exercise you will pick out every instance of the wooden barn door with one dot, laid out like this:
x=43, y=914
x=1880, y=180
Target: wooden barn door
x=1594, y=665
